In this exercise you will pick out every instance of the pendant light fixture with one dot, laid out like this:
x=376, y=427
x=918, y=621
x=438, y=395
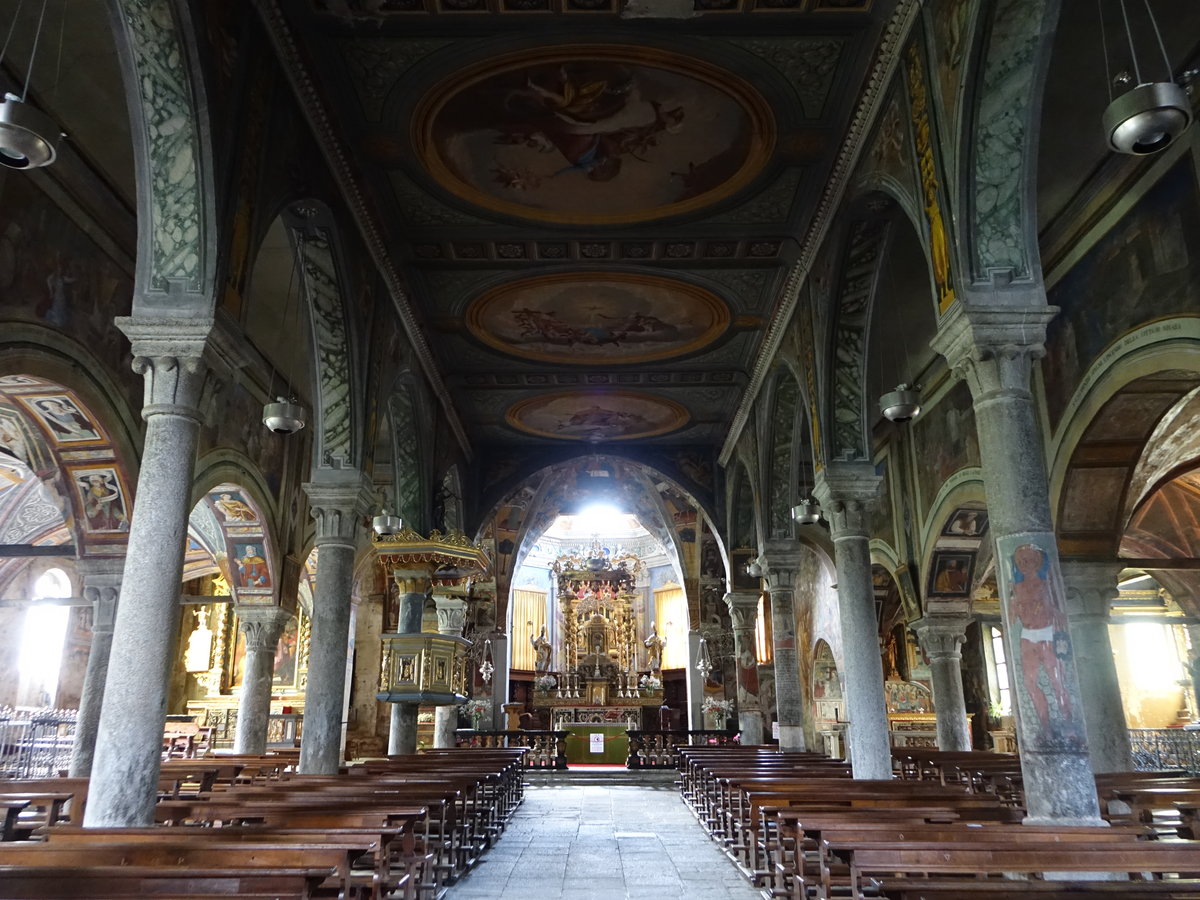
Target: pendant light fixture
x=385, y=523
x=808, y=510
x=28, y=137
x=1153, y=114
x=285, y=415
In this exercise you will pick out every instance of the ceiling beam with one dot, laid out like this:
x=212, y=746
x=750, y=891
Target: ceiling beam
x=30, y=551
x=1153, y=563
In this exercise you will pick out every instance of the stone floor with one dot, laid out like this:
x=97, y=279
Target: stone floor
x=600, y=840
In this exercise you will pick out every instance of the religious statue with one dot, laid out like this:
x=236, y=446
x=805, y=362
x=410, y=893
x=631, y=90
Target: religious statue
x=541, y=649
x=654, y=650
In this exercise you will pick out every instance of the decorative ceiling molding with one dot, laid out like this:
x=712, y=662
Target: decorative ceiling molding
x=345, y=175
x=895, y=35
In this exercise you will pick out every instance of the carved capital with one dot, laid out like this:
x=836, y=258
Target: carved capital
x=942, y=637
x=101, y=578
x=780, y=561
x=848, y=493
x=339, y=500
x=262, y=626
x=743, y=609
x=1091, y=587
x=451, y=614
x=169, y=354
x=993, y=347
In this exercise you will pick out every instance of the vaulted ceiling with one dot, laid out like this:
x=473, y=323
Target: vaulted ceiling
x=593, y=215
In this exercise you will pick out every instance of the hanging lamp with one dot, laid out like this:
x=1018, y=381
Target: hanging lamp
x=29, y=138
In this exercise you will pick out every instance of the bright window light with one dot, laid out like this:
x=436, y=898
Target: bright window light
x=1156, y=667
x=603, y=519
x=40, y=657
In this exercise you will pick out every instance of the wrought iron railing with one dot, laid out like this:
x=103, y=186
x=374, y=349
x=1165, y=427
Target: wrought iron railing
x=547, y=749
x=657, y=749
x=35, y=743
x=1165, y=748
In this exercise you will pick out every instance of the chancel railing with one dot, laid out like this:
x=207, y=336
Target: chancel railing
x=547, y=749
x=35, y=743
x=1165, y=748
x=657, y=749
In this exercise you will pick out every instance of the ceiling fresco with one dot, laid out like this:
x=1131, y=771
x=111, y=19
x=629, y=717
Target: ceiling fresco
x=597, y=416
x=592, y=135
x=578, y=202
x=588, y=317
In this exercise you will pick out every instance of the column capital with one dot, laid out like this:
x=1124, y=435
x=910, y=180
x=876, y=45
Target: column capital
x=942, y=636
x=848, y=493
x=169, y=353
x=101, y=577
x=412, y=581
x=781, y=559
x=262, y=625
x=1091, y=587
x=339, y=499
x=743, y=608
x=451, y=614
x=992, y=347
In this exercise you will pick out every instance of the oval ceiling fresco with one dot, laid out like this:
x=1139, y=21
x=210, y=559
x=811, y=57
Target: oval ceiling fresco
x=593, y=134
x=588, y=317
x=596, y=416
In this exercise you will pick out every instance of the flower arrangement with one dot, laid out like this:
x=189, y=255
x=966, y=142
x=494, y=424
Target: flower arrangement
x=713, y=705
x=478, y=707
x=650, y=683
x=545, y=682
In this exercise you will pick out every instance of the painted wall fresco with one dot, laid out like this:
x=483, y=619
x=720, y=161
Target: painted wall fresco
x=52, y=273
x=596, y=416
x=1146, y=267
x=944, y=441
x=582, y=317
x=593, y=134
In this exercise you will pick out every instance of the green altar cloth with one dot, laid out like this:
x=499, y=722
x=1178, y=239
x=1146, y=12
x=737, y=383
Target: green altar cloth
x=580, y=743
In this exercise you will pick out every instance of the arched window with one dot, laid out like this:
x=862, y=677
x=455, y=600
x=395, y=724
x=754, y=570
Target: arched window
x=42, y=639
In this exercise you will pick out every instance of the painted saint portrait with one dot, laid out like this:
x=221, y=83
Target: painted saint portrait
x=102, y=500
x=232, y=507
x=593, y=134
x=581, y=317
x=599, y=416
x=951, y=574
x=944, y=437
x=287, y=654
x=63, y=420
x=251, y=566
x=966, y=523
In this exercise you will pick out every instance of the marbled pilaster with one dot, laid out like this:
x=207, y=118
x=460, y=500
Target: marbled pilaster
x=339, y=499
x=942, y=638
x=848, y=493
x=993, y=348
x=169, y=354
x=262, y=626
x=1091, y=588
x=743, y=611
x=780, y=561
x=101, y=587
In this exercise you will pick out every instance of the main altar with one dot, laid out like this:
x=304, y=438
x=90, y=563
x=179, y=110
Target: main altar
x=598, y=688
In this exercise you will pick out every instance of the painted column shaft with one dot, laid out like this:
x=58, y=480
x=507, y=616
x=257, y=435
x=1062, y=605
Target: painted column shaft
x=128, y=754
x=262, y=629
x=993, y=348
x=942, y=640
x=743, y=612
x=1091, y=588
x=102, y=589
x=781, y=564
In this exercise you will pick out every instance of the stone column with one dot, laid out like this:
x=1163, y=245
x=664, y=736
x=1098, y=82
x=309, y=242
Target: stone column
x=693, y=683
x=502, y=661
x=743, y=611
x=339, y=500
x=124, y=785
x=413, y=585
x=848, y=492
x=993, y=348
x=101, y=586
x=942, y=638
x=452, y=616
x=262, y=626
x=781, y=564
x=1091, y=588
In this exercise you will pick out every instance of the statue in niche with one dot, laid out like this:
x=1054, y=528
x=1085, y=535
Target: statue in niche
x=541, y=649
x=654, y=650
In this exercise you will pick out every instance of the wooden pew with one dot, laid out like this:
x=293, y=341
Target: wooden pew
x=71, y=882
